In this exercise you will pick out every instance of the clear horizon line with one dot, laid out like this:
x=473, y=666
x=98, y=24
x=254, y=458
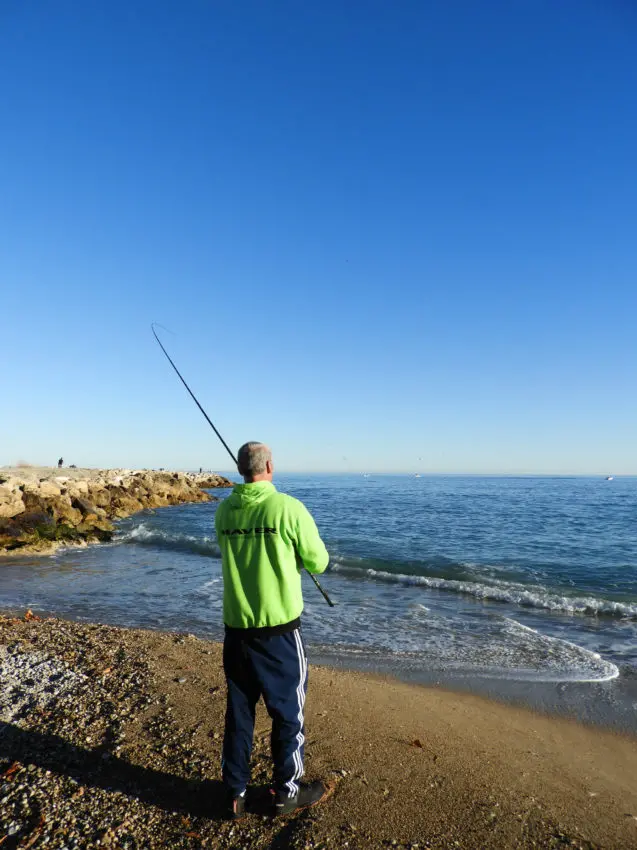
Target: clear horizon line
x=445, y=473
x=361, y=471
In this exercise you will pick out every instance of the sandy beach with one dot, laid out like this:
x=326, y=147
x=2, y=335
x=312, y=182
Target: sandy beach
x=111, y=737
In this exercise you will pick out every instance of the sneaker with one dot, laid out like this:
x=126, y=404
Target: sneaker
x=236, y=807
x=309, y=794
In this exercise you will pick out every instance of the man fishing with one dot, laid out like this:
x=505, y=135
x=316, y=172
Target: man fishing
x=265, y=538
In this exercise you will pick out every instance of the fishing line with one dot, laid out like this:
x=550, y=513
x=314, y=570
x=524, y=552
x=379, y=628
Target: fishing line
x=225, y=445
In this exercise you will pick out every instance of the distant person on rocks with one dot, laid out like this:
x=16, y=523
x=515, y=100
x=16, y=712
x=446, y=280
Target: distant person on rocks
x=265, y=538
x=60, y=463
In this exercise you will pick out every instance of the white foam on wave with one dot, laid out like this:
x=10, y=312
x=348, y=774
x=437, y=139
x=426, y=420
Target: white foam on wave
x=145, y=536
x=494, y=648
x=209, y=588
x=500, y=591
x=599, y=670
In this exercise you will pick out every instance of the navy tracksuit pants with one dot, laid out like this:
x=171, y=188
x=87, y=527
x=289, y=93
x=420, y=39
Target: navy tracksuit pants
x=274, y=667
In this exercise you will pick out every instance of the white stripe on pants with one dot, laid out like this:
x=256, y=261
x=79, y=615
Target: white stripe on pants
x=292, y=785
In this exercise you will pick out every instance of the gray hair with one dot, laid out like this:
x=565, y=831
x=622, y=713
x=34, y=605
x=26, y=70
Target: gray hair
x=252, y=459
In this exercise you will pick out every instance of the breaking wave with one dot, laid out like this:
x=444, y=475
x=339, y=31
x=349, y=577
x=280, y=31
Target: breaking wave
x=497, y=591
x=141, y=535
x=436, y=574
x=562, y=659
x=506, y=649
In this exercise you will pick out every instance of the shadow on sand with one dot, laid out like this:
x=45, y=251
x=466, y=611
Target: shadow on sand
x=99, y=768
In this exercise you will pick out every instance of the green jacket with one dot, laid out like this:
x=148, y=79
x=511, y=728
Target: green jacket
x=265, y=538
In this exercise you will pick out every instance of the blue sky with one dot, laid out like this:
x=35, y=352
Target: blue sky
x=387, y=236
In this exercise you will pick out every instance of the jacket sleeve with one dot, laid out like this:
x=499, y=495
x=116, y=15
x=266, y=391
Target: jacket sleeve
x=309, y=546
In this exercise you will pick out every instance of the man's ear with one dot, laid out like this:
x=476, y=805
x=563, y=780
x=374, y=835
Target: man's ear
x=269, y=467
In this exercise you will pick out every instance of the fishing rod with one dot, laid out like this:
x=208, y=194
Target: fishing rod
x=223, y=442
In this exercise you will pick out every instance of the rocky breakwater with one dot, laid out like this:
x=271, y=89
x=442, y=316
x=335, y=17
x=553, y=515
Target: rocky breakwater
x=42, y=508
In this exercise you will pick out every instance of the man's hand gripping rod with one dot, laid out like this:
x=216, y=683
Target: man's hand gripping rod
x=225, y=445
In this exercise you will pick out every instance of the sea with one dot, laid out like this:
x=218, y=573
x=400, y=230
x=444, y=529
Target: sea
x=522, y=589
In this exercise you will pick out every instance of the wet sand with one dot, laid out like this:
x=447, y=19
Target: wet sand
x=121, y=745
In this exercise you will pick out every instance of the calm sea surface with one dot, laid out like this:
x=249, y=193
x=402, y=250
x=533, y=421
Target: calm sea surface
x=525, y=588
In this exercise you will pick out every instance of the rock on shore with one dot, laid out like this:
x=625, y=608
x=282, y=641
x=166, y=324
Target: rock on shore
x=43, y=507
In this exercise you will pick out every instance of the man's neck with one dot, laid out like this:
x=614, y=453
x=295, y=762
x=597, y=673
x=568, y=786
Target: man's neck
x=257, y=478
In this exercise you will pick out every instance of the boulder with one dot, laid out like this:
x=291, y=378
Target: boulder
x=11, y=482
x=32, y=520
x=11, y=503
x=138, y=492
x=10, y=534
x=146, y=480
x=87, y=507
x=125, y=505
x=34, y=501
x=92, y=523
x=161, y=478
x=64, y=512
x=78, y=487
x=49, y=488
x=210, y=480
x=157, y=501
x=100, y=497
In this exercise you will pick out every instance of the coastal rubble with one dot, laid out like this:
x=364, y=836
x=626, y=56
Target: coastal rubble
x=42, y=508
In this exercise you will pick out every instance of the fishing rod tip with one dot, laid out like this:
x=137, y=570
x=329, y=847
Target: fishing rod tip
x=154, y=325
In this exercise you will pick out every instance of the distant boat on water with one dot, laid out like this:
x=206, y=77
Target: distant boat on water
x=609, y=477
x=417, y=475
